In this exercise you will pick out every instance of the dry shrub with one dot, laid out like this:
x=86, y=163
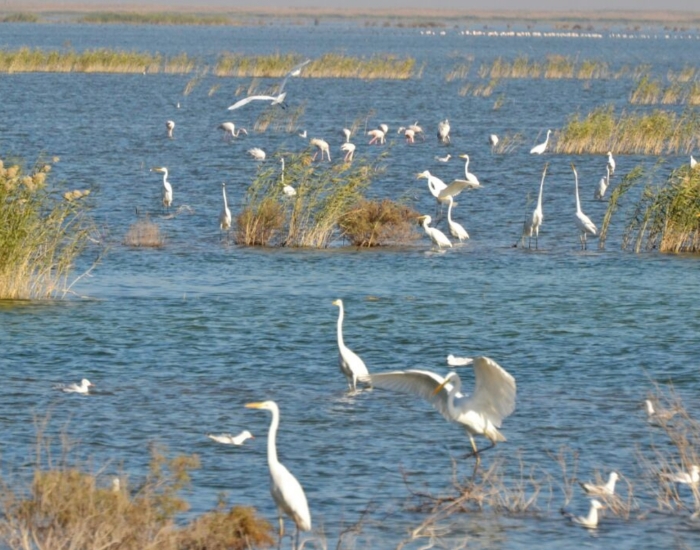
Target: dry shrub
x=258, y=224
x=236, y=529
x=374, y=223
x=145, y=234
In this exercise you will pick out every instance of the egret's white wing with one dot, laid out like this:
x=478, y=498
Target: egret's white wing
x=415, y=382
x=494, y=394
x=294, y=72
x=250, y=98
x=456, y=187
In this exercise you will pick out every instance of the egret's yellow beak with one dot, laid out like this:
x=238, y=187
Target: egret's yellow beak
x=439, y=388
x=336, y=302
x=253, y=405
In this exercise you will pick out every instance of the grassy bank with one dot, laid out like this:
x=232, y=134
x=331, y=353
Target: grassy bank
x=163, y=18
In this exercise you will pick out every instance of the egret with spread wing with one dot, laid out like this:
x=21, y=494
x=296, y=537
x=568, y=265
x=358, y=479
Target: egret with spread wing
x=481, y=413
x=273, y=99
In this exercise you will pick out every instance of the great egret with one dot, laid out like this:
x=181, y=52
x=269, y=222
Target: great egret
x=225, y=216
x=285, y=489
x=591, y=520
x=296, y=71
x=257, y=153
x=273, y=99
x=532, y=226
x=83, y=387
x=350, y=363
x=684, y=478
x=435, y=184
x=321, y=146
x=349, y=149
x=347, y=132
x=539, y=149
x=493, y=141
x=286, y=188
x=446, y=158
x=229, y=129
x=468, y=176
x=167, y=188
x=693, y=162
x=169, y=127
x=458, y=232
x=437, y=236
x=660, y=416
x=378, y=136
x=228, y=439
x=603, y=185
x=481, y=413
x=611, y=164
x=583, y=222
x=607, y=489
x=443, y=131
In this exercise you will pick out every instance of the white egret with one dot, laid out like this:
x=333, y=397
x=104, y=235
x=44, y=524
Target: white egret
x=350, y=363
x=229, y=129
x=603, y=185
x=378, y=136
x=167, y=188
x=468, y=176
x=273, y=99
x=169, y=127
x=446, y=158
x=684, y=478
x=539, y=149
x=228, y=439
x=443, y=132
x=83, y=387
x=583, y=222
x=437, y=236
x=693, y=162
x=481, y=413
x=532, y=226
x=321, y=146
x=296, y=71
x=493, y=141
x=611, y=164
x=347, y=132
x=435, y=184
x=286, y=491
x=225, y=216
x=457, y=231
x=302, y=135
x=286, y=188
x=591, y=520
x=349, y=149
x=257, y=153
x=607, y=489
x=660, y=416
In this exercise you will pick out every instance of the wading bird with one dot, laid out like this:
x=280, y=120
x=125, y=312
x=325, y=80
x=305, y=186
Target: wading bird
x=286, y=189
x=539, y=149
x=285, y=489
x=169, y=127
x=228, y=439
x=591, y=520
x=378, y=135
x=257, y=153
x=435, y=184
x=437, y=236
x=349, y=362
x=532, y=226
x=493, y=141
x=321, y=146
x=443, y=132
x=167, y=188
x=659, y=416
x=607, y=489
x=470, y=178
x=229, y=129
x=583, y=222
x=481, y=413
x=603, y=185
x=225, y=216
x=611, y=164
x=83, y=387
x=349, y=149
x=457, y=231
x=693, y=162
x=347, y=132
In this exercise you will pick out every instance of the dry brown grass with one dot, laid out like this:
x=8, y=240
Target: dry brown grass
x=379, y=223
x=144, y=233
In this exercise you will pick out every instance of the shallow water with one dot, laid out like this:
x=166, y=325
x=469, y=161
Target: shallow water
x=179, y=339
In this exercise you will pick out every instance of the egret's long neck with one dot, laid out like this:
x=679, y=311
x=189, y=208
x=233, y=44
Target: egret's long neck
x=578, y=202
x=539, y=198
x=165, y=178
x=449, y=211
x=610, y=485
x=272, y=438
x=282, y=171
x=223, y=190
x=341, y=314
x=456, y=387
x=466, y=168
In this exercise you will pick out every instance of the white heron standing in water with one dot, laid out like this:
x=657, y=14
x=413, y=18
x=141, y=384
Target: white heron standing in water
x=349, y=362
x=457, y=231
x=167, y=188
x=493, y=141
x=286, y=188
x=286, y=491
x=437, y=236
x=532, y=226
x=169, y=127
x=611, y=163
x=443, y=132
x=225, y=215
x=539, y=149
x=602, y=185
x=583, y=222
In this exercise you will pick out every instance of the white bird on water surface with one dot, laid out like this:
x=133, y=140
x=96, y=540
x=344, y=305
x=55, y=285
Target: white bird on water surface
x=611, y=164
x=286, y=491
x=169, y=127
x=446, y=158
x=167, y=188
x=602, y=185
x=349, y=362
x=443, y=132
x=257, y=153
x=539, y=149
x=438, y=237
x=684, y=478
x=286, y=188
x=607, y=489
x=349, y=149
x=225, y=215
x=481, y=413
x=583, y=222
x=660, y=416
x=591, y=520
x=82, y=388
x=457, y=231
x=228, y=439
x=532, y=226
x=493, y=141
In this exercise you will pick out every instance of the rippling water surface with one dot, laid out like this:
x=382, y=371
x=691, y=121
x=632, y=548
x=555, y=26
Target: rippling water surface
x=179, y=339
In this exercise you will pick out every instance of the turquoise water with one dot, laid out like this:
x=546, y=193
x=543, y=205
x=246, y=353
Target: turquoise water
x=178, y=340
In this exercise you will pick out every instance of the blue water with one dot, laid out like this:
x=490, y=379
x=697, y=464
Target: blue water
x=177, y=340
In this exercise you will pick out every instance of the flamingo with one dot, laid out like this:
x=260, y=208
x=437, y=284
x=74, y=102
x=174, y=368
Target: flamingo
x=229, y=129
x=322, y=146
x=349, y=149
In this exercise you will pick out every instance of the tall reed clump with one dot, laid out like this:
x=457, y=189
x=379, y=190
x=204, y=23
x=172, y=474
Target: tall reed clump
x=41, y=233
x=374, y=223
x=649, y=133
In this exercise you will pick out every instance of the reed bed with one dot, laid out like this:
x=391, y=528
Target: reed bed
x=554, y=66
x=330, y=65
x=133, y=18
x=41, y=233
x=649, y=133
x=459, y=72
x=652, y=92
x=482, y=89
x=144, y=233
x=27, y=60
x=286, y=120
x=22, y=17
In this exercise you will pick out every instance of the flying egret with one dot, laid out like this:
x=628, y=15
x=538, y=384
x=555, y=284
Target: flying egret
x=458, y=232
x=693, y=162
x=169, y=127
x=285, y=489
x=437, y=236
x=493, y=141
x=350, y=363
x=660, y=416
x=591, y=520
x=684, y=478
x=228, y=439
x=435, y=184
x=225, y=216
x=532, y=226
x=229, y=129
x=446, y=158
x=257, y=153
x=607, y=489
x=443, y=132
x=611, y=164
x=481, y=413
x=539, y=149
x=583, y=222
x=82, y=388
x=167, y=188
x=286, y=188
x=276, y=99
x=603, y=185
x=302, y=135
x=349, y=149
x=321, y=146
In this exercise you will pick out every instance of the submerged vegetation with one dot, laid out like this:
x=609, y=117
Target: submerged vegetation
x=42, y=232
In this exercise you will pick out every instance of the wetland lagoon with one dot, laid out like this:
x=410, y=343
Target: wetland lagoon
x=178, y=338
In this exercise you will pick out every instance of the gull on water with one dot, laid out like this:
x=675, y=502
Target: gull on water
x=591, y=520
x=83, y=387
x=607, y=489
x=228, y=439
